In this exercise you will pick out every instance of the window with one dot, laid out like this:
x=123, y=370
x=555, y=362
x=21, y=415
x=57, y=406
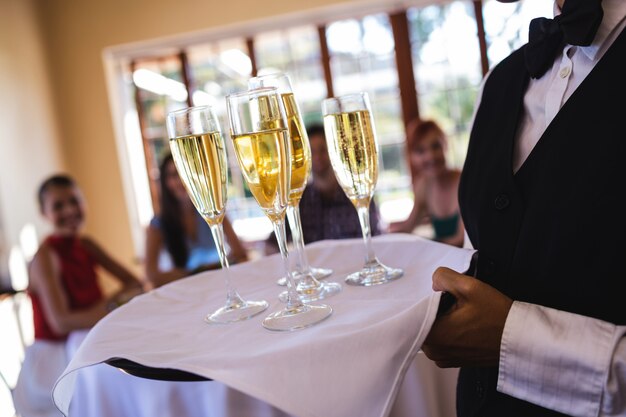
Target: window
x=446, y=59
x=160, y=89
x=362, y=58
x=506, y=25
x=347, y=55
x=216, y=70
x=295, y=51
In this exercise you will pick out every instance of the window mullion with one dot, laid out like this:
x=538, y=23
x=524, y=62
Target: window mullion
x=325, y=58
x=186, y=76
x=482, y=41
x=252, y=55
x=404, y=64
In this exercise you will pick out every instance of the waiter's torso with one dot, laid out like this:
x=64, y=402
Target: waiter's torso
x=554, y=232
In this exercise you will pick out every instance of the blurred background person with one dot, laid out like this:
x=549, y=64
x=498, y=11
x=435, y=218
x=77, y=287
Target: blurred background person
x=65, y=293
x=435, y=185
x=326, y=211
x=179, y=242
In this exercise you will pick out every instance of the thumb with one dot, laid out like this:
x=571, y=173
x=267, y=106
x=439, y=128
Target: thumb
x=448, y=280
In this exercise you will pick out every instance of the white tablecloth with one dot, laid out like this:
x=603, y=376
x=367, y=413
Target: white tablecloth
x=104, y=391
x=352, y=364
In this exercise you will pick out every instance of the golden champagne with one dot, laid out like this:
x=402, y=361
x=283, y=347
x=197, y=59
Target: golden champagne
x=263, y=159
x=201, y=163
x=353, y=154
x=300, y=149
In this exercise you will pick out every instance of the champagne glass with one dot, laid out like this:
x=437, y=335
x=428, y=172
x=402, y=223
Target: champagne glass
x=308, y=286
x=262, y=145
x=200, y=158
x=353, y=151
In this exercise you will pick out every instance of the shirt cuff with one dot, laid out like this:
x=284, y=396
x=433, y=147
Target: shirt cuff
x=555, y=359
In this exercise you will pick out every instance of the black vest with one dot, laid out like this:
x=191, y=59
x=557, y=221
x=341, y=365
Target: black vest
x=554, y=233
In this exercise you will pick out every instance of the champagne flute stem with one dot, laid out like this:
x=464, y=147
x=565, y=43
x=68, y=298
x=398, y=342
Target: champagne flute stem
x=364, y=219
x=295, y=224
x=293, y=299
x=232, y=297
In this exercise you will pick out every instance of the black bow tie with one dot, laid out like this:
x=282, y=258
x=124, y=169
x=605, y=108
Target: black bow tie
x=576, y=25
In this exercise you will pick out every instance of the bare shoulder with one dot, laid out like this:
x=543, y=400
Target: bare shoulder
x=43, y=264
x=91, y=246
x=43, y=255
x=155, y=231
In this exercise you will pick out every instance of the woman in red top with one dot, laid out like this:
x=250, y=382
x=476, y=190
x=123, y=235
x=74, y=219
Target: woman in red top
x=64, y=291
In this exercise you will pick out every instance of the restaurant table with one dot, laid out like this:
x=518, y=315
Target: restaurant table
x=363, y=360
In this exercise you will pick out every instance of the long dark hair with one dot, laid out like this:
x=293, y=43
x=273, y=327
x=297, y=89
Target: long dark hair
x=171, y=214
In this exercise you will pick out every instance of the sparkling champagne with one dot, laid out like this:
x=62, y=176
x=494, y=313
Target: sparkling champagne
x=353, y=154
x=300, y=149
x=263, y=159
x=201, y=163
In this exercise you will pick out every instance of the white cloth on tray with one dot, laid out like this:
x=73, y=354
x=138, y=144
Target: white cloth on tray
x=351, y=364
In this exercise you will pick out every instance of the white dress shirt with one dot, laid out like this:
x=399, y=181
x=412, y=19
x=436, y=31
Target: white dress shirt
x=558, y=360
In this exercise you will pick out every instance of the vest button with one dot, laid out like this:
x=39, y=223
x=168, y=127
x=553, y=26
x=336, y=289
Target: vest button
x=501, y=202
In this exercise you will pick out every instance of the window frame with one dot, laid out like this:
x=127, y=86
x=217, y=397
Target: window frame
x=116, y=59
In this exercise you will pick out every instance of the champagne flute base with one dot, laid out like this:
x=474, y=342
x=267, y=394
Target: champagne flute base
x=236, y=312
x=318, y=273
x=374, y=274
x=321, y=273
x=313, y=292
x=296, y=318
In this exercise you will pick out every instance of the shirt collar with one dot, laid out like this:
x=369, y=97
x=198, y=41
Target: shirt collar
x=614, y=14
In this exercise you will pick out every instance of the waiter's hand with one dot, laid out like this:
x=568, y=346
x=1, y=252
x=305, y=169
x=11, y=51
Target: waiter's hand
x=469, y=333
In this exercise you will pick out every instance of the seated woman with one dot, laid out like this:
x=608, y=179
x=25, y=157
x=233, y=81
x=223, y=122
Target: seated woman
x=178, y=241
x=64, y=292
x=435, y=185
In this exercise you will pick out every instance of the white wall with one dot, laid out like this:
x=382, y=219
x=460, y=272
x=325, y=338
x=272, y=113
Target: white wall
x=29, y=145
